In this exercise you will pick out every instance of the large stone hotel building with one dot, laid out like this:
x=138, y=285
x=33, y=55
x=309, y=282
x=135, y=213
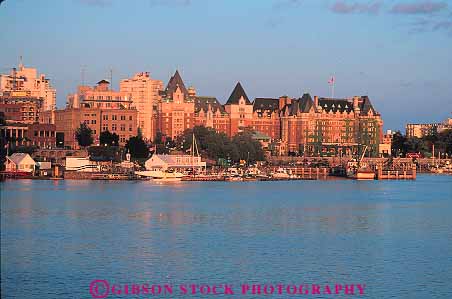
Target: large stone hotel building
x=313, y=126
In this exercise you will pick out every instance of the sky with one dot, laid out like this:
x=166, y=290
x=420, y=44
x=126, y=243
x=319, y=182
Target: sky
x=398, y=52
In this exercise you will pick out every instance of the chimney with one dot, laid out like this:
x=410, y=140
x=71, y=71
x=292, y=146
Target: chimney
x=191, y=91
x=316, y=101
x=355, y=102
x=282, y=101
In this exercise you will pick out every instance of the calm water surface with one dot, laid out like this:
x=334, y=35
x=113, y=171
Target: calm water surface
x=393, y=236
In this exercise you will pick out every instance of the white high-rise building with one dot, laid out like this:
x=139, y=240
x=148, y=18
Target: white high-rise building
x=144, y=93
x=25, y=81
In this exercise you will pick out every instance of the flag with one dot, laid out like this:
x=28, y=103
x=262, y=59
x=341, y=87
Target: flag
x=331, y=81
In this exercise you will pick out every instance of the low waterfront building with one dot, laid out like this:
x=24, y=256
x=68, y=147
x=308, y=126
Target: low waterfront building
x=81, y=164
x=44, y=168
x=175, y=162
x=20, y=162
x=40, y=135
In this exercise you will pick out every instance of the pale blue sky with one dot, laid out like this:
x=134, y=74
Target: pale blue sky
x=396, y=51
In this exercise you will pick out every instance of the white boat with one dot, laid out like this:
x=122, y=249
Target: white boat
x=161, y=175
x=281, y=173
x=359, y=170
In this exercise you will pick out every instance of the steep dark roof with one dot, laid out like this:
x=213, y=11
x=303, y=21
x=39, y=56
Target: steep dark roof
x=103, y=81
x=266, y=104
x=335, y=105
x=366, y=106
x=236, y=94
x=302, y=105
x=174, y=82
x=305, y=102
x=202, y=103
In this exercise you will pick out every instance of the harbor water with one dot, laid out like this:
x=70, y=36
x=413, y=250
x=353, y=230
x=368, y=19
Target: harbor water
x=393, y=237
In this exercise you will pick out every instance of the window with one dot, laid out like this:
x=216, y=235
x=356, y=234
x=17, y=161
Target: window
x=130, y=128
x=104, y=127
x=114, y=117
x=93, y=122
x=113, y=127
x=130, y=117
x=123, y=117
x=123, y=127
x=105, y=117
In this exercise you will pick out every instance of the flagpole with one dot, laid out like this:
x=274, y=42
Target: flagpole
x=332, y=82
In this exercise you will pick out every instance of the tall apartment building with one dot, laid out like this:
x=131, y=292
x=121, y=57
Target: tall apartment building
x=421, y=130
x=26, y=82
x=144, y=93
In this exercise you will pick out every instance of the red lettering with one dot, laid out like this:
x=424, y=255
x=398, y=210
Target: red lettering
x=116, y=289
x=168, y=289
x=315, y=289
x=193, y=289
x=361, y=288
x=291, y=289
x=159, y=289
x=338, y=288
x=245, y=288
x=256, y=289
x=214, y=290
x=183, y=289
x=228, y=290
x=269, y=289
x=349, y=289
x=145, y=288
x=305, y=288
x=205, y=289
x=135, y=289
x=327, y=290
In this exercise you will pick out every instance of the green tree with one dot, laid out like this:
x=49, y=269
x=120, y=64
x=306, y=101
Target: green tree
x=137, y=147
x=398, y=144
x=248, y=148
x=215, y=146
x=108, y=138
x=444, y=142
x=84, y=135
x=415, y=145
